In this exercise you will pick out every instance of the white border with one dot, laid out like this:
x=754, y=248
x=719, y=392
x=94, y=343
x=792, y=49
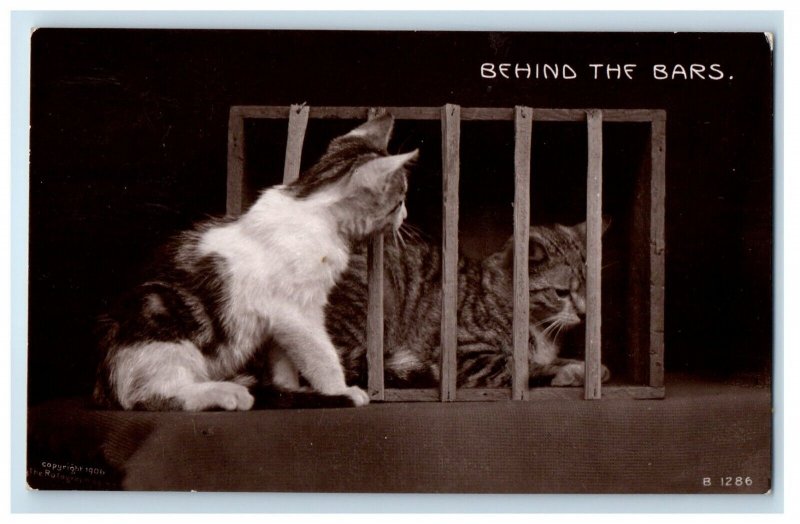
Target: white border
x=19, y=25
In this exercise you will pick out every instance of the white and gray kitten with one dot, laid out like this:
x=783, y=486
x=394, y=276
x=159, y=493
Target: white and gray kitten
x=230, y=290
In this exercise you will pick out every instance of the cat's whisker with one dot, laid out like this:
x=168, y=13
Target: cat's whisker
x=422, y=234
x=549, y=329
x=398, y=236
x=546, y=329
x=407, y=228
x=560, y=329
x=410, y=236
x=552, y=318
x=419, y=234
x=413, y=236
x=548, y=319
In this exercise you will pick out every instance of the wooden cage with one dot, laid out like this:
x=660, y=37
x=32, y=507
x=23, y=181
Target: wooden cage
x=650, y=365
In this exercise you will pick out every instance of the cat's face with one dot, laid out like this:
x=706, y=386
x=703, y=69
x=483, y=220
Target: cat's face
x=364, y=183
x=557, y=270
x=557, y=260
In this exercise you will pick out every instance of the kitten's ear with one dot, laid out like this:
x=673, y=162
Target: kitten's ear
x=377, y=131
x=606, y=223
x=374, y=172
x=536, y=251
x=580, y=229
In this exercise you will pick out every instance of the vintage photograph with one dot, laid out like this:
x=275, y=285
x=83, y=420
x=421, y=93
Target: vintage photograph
x=400, y=261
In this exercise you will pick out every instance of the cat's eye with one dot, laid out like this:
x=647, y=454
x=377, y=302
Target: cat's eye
x=395, y=208
x=562, y=293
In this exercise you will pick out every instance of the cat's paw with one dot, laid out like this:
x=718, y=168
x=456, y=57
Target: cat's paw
x=573, y=374
x=218, y=395
x=357, y=395
x=569, y=375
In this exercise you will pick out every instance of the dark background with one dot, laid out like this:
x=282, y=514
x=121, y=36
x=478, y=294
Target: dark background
x=129, y=144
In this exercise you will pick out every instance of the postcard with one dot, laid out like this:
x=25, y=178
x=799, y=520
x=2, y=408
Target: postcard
x=401, y=261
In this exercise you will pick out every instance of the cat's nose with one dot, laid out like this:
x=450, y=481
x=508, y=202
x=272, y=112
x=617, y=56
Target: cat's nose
x=580, y=304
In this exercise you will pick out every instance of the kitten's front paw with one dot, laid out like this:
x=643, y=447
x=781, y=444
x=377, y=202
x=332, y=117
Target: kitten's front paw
x=219, y=395
x=357, y=395
x=569, y=375
x=573, y=374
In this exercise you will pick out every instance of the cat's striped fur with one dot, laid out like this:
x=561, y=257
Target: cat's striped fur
x=227, y=292
x=412, y=288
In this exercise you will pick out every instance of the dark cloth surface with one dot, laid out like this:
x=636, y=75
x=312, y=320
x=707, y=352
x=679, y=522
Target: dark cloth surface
x=701, y=430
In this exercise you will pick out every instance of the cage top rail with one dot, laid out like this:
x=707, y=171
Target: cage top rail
x=435, y=113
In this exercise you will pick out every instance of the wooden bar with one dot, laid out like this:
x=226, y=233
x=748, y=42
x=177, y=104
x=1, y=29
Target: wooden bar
x=594, y=250
x=522, y=222
x=412, y=395
x=488, y=113
x=485, y=394
x=298, y=120
x=609, y=115
x=278, y=112
x=632, y=115
x=609, y=392
x=375, y=318
x=344, y=113
x=235, y=184
x=451, y=135
x=542, y=393
x=559, y=115
x=657, y=246
x=375, y=385
x=467, y=113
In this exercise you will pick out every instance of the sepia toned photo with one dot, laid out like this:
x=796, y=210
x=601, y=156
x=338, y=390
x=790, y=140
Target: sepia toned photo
x=400, y=261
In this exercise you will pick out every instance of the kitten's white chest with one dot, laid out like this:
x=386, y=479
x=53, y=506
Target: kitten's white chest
x=280, y=255
x=311, y=264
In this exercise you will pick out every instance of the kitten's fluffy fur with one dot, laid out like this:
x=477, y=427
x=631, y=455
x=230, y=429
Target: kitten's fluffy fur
x=229, y=289
x=412, y=278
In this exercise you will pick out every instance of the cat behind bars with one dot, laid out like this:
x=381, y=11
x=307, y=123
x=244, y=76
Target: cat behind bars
x=412, y=303
x=230, y=288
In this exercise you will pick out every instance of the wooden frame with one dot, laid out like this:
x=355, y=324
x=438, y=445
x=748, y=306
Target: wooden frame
x=649, y=366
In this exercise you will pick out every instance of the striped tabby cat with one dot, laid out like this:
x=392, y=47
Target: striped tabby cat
x=230, y=291
x=412, y=304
